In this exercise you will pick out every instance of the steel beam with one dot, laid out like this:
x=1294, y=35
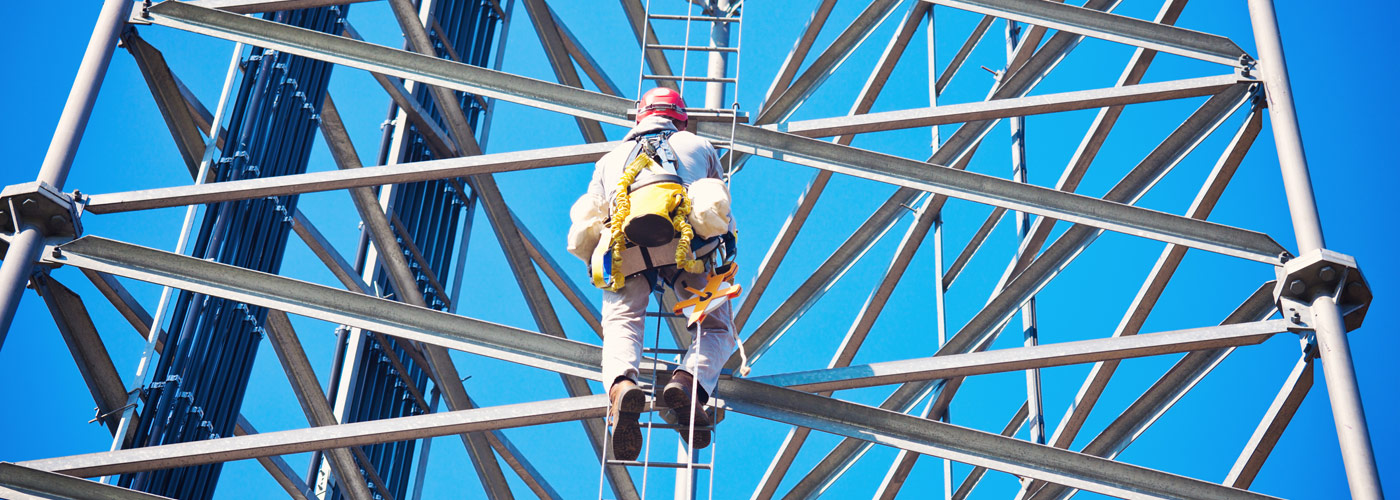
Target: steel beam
x=509, y=235
x=552, y=269
x=307, y=389
x=957, y=151
x=585, y=60
x=336, y=306
x=996, y=191
x=320, y=438
x=260, y=6
x=964, y=445
x=140, y=321
x=406, y=286
x=768, y=143
x=89, y=353
x=125, y=304
x=1023, y=358
x=975, y=476
x=27, y=239
x=1014, y=107
x=1348, y=414
x=646, y=35
x=1106, y=26
x=324, y=251
x=18, y=482
x=782, y=106
x=550, y=34
x=346, y=178
x=448, y=106
x=956, y=62
x=434, y=136
x=1275, y=420
x=1156, y=282
x=863, y=102
x=1103, y=123
x=799, y=51
x=975, y=335
x=173, y=106
x=278, y=468
x=1161, y=396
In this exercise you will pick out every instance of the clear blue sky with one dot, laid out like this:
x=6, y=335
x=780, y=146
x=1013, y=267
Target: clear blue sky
x=1341, y=92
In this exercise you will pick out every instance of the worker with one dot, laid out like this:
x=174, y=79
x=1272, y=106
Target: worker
x=628, y=229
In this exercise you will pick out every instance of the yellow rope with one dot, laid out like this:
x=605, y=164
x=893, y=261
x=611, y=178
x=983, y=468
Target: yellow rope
x=681, y=222
x=622, y=206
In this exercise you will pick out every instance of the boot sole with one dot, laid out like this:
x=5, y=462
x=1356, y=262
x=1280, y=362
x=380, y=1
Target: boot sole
x=676, y=398
x=627, y=435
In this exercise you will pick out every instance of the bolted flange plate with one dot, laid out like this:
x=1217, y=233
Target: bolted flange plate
x=40, y=205
x=1324, y=273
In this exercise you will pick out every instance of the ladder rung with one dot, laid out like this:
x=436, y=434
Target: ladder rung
x=664, y=351
x=676, y=426
x=690, y=78
x=693, y=47
x=669, y=465
x=708, y=19
x=650, y=314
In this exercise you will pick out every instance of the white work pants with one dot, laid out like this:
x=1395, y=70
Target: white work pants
x=623, y=330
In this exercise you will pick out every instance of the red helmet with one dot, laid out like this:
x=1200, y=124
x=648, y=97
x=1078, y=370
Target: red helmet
x=662, y=101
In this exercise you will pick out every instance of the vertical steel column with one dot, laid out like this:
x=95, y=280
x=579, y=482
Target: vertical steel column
x=1036, y=419
x=29, y=240
x=938, y=290
x=719, y=60
x=1347, y=412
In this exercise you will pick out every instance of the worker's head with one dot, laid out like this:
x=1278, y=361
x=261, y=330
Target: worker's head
x=664, y=102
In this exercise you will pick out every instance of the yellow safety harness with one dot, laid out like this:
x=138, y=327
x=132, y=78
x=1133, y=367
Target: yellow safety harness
x=677, y=204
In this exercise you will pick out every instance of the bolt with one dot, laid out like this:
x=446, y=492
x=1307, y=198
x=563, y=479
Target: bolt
x=1284, y=257
x=1297, y=287
x=1327, y=273
x=57, y=254
x=1296, y=318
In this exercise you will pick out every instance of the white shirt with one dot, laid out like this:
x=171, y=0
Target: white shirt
x=696, y=157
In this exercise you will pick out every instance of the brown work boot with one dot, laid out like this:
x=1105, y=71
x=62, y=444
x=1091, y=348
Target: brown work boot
x=628, y=402
x=677, y=395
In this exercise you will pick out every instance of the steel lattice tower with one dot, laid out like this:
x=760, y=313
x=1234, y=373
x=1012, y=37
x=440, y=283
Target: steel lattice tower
x=394, y=381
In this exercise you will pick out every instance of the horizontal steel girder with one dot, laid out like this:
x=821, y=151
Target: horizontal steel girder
x=571, y=155
x=1106, y=26
x=964, y=445
x=258, y=6
x=749, y=397
x=345, y=178
x=1023, y=358
x=748, y=139
x=329, y=304
x=325, y=437
x=1005, y=108
x=16, y=480
x=532, y=349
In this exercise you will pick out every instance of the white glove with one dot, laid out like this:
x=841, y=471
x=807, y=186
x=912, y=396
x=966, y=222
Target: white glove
x=709, y=207
x=586, y=228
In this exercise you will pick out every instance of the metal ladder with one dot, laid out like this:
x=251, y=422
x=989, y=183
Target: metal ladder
x=650, y=357
x=729, y=12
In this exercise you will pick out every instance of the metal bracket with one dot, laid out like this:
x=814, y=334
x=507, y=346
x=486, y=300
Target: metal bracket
x=1322, y=273
x=40, y=205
